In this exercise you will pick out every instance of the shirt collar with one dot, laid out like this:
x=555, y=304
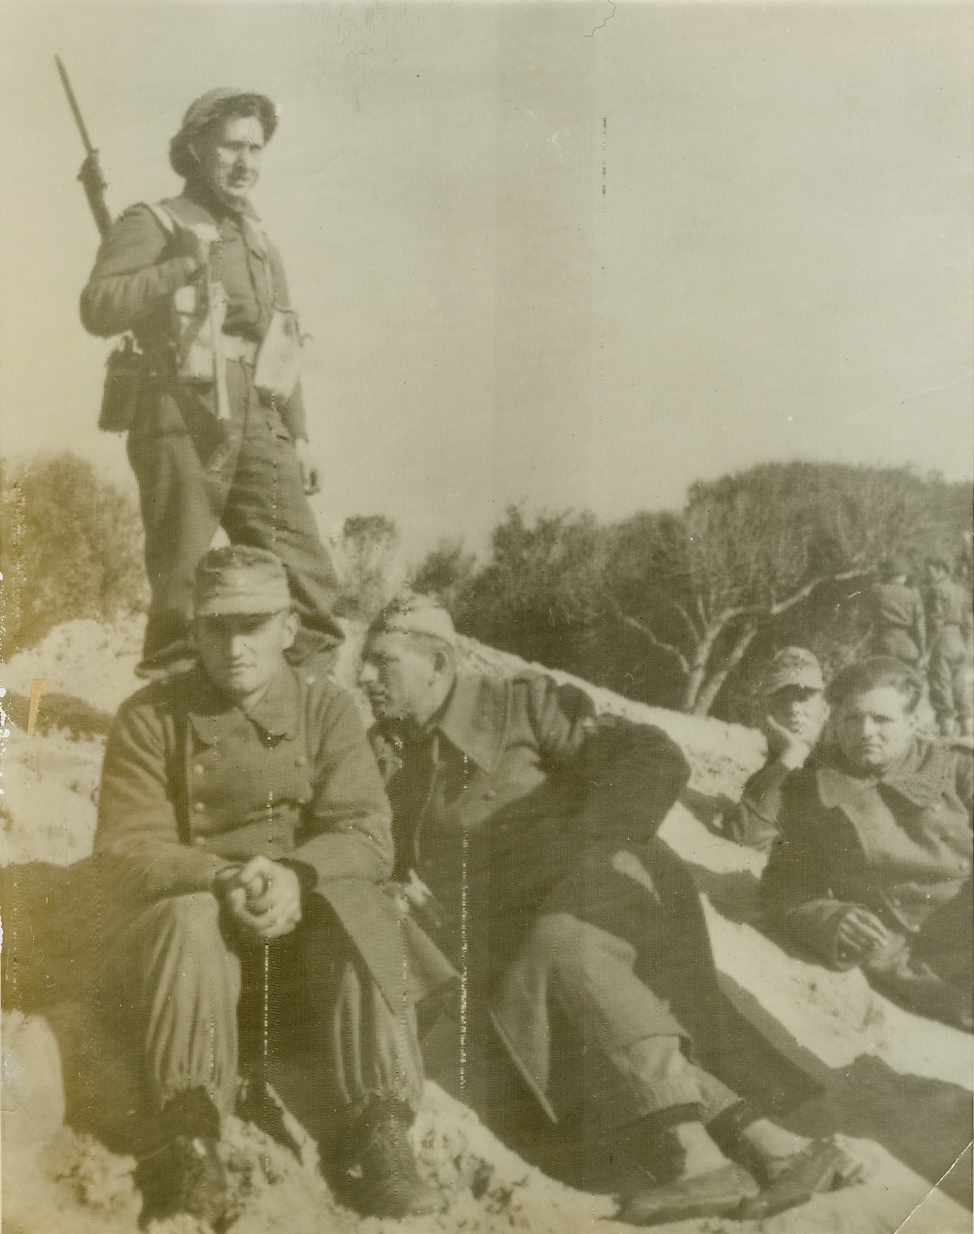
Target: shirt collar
x=276, y=713
x=474, y=718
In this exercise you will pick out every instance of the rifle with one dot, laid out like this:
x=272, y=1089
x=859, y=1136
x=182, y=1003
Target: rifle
x=91, y=175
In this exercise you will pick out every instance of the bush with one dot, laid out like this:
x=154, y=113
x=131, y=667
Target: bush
x=71, y=548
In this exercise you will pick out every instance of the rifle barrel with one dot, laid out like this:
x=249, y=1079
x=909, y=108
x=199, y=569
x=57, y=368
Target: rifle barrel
x=73, y=102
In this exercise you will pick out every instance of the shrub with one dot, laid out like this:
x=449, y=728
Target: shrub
x=71, y=547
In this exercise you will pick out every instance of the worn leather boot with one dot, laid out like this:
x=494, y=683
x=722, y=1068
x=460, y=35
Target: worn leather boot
x=181, y=1172
x=380, y=1176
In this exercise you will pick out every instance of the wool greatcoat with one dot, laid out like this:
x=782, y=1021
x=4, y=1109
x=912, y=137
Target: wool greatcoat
x=901, y=846
x=192, y=785
x=531, y=824
x=196, y=472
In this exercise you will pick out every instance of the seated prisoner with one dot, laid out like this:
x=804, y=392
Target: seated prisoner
x=525, y=838
x=873, y=865
x=247, y=834
x=796, y=711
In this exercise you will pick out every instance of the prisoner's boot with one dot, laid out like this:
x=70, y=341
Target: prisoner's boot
x=379, y=1175
x=716, y=1188
x=181, y=1172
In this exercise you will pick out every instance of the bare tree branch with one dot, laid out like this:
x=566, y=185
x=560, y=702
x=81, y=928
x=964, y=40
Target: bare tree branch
x=646, y=631
x=695, y=633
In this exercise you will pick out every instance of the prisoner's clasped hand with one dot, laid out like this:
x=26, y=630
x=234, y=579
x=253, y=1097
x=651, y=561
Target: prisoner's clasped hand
x=264, y=899
x=860, y=932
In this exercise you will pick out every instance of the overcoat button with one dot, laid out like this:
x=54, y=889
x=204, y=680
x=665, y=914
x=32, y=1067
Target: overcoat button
x=199, y=769
x=302, y=760
x=200, y=841
x=199, y=807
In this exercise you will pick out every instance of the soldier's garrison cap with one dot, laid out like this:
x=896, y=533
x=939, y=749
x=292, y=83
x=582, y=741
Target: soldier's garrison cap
x=410, y=612
x=214, y=105
x=238, y=579
x=793, y=666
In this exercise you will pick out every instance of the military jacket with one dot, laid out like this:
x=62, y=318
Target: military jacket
x=513, y=781
x=191, y=785
x=900, y=845
x=141, y=264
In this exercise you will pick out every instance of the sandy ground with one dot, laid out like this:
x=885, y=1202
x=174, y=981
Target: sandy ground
x=897, y=1087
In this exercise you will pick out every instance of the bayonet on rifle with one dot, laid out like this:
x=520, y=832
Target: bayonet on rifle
x=91, y=174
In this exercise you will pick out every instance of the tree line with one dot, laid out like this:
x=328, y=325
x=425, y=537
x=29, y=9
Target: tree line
x=681, y=608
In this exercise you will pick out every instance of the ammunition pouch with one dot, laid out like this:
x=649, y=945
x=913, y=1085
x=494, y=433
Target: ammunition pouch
x=124, y=376
x=279, y=357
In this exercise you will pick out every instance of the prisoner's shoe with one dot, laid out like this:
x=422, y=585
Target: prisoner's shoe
x=380, y=1176
x=822, y=1166
x=717, y=1193
x=182, y=1172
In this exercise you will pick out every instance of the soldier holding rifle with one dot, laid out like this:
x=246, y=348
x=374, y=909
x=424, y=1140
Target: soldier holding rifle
x=217, y=435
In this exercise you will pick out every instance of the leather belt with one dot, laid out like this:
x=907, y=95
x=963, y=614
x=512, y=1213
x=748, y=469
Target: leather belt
x=237, y=348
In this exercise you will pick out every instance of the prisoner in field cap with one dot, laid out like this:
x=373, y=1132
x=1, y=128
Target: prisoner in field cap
x=793, y=666
x=410, y=612
x=237, y=579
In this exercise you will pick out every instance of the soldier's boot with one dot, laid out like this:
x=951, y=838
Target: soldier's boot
x=181, y=1172
x=379, y=1174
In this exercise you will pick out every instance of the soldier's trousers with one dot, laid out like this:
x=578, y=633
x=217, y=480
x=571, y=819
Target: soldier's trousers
x=948, y=674
x=631, y=1055
x=184, y=993
x=243, y=476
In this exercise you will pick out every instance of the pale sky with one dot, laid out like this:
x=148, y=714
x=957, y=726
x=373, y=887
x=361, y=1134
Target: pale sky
x=541, y=258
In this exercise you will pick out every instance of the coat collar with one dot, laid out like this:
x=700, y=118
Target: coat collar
x=474, y=718
x=276, y=714
x=920, y=778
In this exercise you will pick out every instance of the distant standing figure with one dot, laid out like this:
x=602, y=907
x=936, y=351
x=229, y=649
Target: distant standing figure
x=219, y=436
x=896, y=614
x=950, y=624
x=795, y=714
x=873, y=866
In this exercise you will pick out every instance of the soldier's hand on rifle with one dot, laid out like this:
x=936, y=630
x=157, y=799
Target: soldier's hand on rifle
x=310, y=470
x=263, y=899
x=200, y=238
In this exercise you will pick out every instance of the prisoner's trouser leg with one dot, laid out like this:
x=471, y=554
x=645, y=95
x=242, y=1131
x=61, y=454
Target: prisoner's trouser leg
x=366, y=1050
x=634, y=1062
x=267, y=508
x=175, y=985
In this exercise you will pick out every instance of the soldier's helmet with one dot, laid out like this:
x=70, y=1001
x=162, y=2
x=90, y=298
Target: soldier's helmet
x=216, y=105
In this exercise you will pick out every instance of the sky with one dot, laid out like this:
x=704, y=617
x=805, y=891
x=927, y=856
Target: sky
x=570, y=255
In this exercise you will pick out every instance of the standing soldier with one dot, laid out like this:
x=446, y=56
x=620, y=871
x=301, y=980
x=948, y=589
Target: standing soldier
x=218, y=436
x=896, y=613
x=950, y=624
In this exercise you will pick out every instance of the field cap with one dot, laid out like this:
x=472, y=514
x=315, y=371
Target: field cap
x=214, y=105
x=412, y=613
x=238, y=579
x=793, y=666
